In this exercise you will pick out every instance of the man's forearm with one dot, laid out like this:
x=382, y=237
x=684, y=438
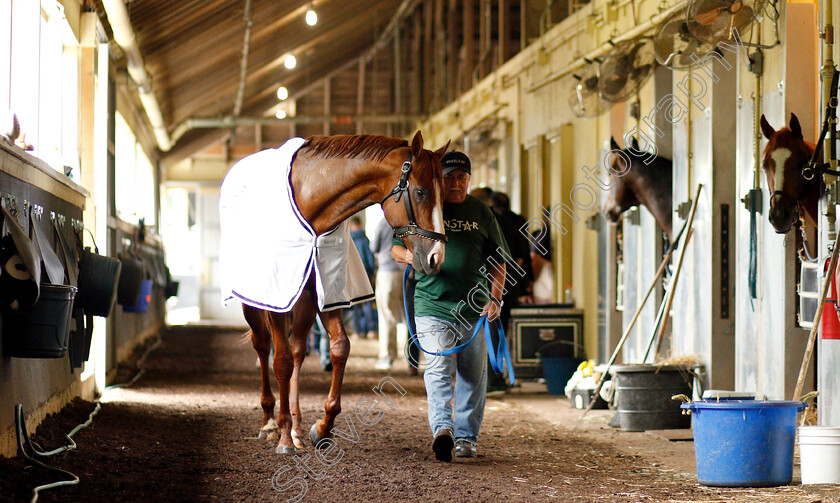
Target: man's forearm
x=497, y=286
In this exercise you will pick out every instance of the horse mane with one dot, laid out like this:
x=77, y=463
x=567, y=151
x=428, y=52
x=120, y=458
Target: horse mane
x=365, y=146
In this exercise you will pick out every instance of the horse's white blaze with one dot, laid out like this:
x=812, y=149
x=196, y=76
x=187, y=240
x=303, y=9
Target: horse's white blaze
x=437, y=214
x=780, y=157
x=437, y=220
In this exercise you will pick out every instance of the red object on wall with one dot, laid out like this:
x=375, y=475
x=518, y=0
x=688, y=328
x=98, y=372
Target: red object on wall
x=830, y=320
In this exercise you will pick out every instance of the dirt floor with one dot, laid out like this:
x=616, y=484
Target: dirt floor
x=185, y=431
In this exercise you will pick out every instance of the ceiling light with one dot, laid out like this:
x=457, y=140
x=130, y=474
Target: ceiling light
x=281, y=114
x=282, y=93
x=290, y=62
x=311, y=17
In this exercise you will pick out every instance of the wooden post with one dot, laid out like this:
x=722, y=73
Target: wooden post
x=504, y=26
x=398, y=105
x=452, y=52
x=428, y=55
x=327, y=92
x=440, y=56
x=360, y=94
x=87, y=112
x=469, y=46
x=483, y=39
x=417, y=68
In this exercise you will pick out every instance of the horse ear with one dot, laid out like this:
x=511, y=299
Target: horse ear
x=439, y=152
x=613, y=144
x=766, y=129
x=417, y=143
x=795, y=128
x=635, y=144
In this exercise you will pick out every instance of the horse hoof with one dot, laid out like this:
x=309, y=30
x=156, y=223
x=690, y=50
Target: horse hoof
x=285, y=450
x=313, y=435
x=297, y=439
x=269, y=431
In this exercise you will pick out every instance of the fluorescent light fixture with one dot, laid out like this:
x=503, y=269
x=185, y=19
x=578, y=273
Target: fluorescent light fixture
x=281, y=114
x=290, y=62
x=282, y=93
x=311, y=17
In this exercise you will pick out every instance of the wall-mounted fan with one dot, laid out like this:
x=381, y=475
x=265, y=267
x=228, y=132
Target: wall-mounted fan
x=674, y=44
x=711, y=21
x=584, y=98
x=625, y=70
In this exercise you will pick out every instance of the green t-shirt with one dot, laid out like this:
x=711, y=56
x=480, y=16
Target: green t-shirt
x=473, y=237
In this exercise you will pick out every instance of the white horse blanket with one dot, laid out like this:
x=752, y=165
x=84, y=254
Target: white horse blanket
x=268, y=249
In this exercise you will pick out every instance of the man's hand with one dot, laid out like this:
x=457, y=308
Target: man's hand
x=401, y=254
x=493, y=309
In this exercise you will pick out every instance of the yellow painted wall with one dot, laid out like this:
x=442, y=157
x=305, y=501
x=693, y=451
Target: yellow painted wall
x=548, y=144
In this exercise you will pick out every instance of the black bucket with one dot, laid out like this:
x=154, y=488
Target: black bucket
x=44, y=330
x=644, y=396
x=171, y=289
x=131, y=278
x=98, y=279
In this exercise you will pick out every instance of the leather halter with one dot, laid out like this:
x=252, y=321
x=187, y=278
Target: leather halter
x=812, y=167
x=401, y=190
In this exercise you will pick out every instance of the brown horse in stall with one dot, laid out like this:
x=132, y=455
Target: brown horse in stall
x=784, y=156
x=333, y=178
x=645, y=184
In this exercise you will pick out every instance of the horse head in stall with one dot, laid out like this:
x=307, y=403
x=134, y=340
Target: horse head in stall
x=325, y=181
x=640, y=183
x=785, y=155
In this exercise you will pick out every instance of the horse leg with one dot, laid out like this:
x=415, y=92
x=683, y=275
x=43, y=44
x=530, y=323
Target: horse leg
x=339, y=351
x=303, y=315
x=279, y=323
x=261, y=340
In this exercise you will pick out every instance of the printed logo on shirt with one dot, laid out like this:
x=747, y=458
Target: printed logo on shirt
x=455, y=225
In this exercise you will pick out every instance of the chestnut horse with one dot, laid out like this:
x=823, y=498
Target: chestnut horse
x=784, y=156
x=645, y=184
x=333, y=178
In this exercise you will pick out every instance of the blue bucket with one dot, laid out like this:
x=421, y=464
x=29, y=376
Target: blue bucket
x=557, y=371
x=744, y=443
x=145, y=298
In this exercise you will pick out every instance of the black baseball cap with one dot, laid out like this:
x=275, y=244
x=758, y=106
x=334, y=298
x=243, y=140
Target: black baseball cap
x=453, y=160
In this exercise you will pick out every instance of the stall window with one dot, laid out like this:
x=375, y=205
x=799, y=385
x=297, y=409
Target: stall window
x=135, y=177
x=39, y=78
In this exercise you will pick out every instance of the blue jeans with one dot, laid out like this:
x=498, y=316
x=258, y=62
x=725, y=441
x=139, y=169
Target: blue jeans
x=320, y=341
x=365, y=318
x=470, y=369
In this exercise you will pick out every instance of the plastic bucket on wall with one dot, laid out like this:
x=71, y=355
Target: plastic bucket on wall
x=557, y=371
x=44, y=330
x=131, y=277
x=744, y=443
x=144, y=299
x=98, y=279
x=171, y=289
x=819, y=454
x=644, y=396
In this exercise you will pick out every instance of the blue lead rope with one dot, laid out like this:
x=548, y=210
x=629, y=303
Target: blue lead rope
x=498, y=356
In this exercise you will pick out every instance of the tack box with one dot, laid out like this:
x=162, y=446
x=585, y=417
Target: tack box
x=548, y=329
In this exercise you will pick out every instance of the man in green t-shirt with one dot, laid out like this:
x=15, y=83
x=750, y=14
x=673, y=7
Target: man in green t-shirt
x=448, y=305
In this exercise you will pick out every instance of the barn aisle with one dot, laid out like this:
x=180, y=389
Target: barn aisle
x=185, y=432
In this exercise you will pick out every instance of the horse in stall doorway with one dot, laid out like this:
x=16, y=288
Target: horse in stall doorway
x=784, y=156
x=643, y=184
x=325, y=180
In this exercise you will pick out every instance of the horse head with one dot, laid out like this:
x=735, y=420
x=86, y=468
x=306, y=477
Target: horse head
x=634, y=182
x=784, y=156
x=420, y=217
x=621, y=196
